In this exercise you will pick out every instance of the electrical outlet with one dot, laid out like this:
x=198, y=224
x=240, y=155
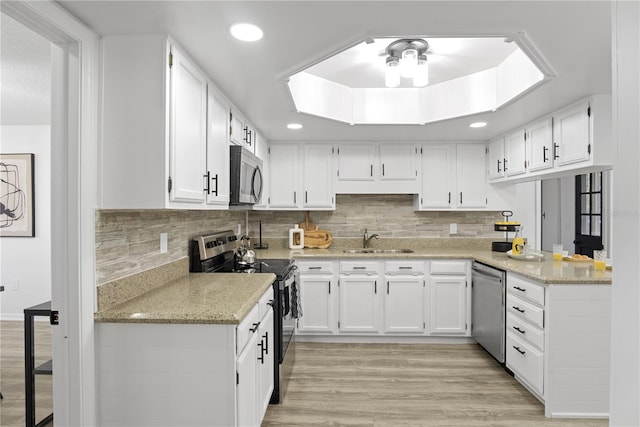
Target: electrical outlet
x=453, y=228
x=164, y=243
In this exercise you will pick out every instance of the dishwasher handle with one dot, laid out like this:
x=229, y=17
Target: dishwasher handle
x=486, y=273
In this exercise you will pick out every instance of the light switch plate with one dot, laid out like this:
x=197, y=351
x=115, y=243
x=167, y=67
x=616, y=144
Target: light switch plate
x=164, y=243
x=453, y=228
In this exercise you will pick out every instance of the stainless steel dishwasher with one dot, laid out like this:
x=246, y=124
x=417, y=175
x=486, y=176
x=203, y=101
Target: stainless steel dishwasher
x=488, y=309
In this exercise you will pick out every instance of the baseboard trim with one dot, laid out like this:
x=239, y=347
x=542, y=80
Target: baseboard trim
x=384, y=339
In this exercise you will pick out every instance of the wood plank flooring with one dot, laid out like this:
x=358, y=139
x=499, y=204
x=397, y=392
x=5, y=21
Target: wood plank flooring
x=405, y=385
x=12, y=407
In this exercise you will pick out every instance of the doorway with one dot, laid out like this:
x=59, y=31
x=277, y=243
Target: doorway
x=589, y=213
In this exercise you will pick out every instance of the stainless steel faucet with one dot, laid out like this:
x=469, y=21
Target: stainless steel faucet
x=366, y=239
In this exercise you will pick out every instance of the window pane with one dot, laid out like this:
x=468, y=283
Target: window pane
x=585, y=186
x=597, y=203
x=585, y=204
x=586, y=225
x=597, y=182
x=595, y=225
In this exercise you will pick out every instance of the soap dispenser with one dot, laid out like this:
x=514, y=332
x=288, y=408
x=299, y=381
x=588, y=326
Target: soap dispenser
x=296, y=237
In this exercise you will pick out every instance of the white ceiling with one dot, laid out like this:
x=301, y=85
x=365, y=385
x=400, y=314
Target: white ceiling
x=25, y=70
x=573, y=36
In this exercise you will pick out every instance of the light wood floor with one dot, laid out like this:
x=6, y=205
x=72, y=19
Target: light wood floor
x=12, y=407
x=405, y=385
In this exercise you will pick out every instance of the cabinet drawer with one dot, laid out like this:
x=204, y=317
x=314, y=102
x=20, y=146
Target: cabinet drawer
x=525, y=331
x=527, y=290
x=265, y=303
x=527, y=362
x=359, y=267
x=247, y=328
x=525, y=310
x=410, y=268
x=449, y=267
x=315, y=267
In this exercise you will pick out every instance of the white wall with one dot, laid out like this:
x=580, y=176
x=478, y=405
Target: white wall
x=625, y=292
x=27, y=260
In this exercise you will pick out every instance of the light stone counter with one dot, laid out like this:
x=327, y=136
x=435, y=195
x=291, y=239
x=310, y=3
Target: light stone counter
x=219, y=298
x=546, y=271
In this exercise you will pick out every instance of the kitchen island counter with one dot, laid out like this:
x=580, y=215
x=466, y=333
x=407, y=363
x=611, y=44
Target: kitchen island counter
x=204, y=298
x=545, y=271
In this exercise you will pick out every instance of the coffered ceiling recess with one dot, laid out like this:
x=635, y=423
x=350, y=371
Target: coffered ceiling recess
x=467, y=75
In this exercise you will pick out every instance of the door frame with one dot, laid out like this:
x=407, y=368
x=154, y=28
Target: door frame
x=74, y=150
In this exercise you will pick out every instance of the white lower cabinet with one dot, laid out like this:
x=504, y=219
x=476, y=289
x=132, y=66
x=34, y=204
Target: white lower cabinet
x=318, y=294
x=449, y=297
x=396, y=297
x=558, y=344
x=359, y=297
x=186, y=374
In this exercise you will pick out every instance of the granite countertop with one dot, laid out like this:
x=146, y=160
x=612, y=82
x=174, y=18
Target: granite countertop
x=546, y=271
x=216, y=298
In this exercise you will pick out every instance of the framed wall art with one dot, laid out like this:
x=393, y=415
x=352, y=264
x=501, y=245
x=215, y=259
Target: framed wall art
x=17, y=203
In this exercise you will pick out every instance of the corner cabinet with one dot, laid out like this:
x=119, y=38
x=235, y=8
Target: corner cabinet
x=301, y=176
x=454, y=176
x=574, y=140
x=162, y=122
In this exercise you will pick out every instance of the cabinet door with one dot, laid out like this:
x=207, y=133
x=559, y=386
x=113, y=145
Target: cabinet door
x=317, y=176
x=398, y=162
x=355, y=162
x=283, y=176
x=265, y=360
x=471, y=177
x=496, y=158
x=318, y=307
x=571, y=132
x=236, y=128
x=188, y=131
x=217, y=188
x=359, y=304
x=438, y=176
x=246, y=389
x=540, y=145
x=448, y=305
x=515, y=153
x=404, y=305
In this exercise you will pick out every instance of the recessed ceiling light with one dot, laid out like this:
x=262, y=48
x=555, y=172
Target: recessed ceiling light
x=478, y=125
x=246, y=32
x=294, y=126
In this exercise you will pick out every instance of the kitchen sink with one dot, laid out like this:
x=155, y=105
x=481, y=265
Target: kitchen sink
x=378, y=251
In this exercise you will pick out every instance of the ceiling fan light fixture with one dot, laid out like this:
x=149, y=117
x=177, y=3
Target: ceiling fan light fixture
x=392, y=72
x=408, y=62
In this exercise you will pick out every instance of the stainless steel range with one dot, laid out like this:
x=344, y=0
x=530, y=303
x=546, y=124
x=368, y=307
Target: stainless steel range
x=217, y=253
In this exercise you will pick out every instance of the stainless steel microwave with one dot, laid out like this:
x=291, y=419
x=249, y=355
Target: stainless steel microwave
x=246, y=177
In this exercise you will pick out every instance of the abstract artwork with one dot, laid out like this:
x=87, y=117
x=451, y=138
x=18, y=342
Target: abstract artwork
x=17, y=210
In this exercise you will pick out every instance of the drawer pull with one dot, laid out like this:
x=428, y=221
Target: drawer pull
x=359, y=268
x=519, y=289
x=518, y=309
x=405, y=268
x=519, y=330
x=518, y=350
x=315, y=268
x=255, y=327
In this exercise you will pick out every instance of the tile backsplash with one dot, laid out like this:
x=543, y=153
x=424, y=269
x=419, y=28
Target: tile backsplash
x=128, y=241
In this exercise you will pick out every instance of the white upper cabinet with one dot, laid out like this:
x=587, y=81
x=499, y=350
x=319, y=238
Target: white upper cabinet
x=438, y=176
x=318, y=176
x=540, y=145
x=471, y=176
x=572, y=134
x=568, y=142
x=241, y=132
x=301, y=176
x=356, y=162
x=496, y=158
x=515, y=153
x=217, y=178
x=387, y=168
x=283, y=176
x=398, y=162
